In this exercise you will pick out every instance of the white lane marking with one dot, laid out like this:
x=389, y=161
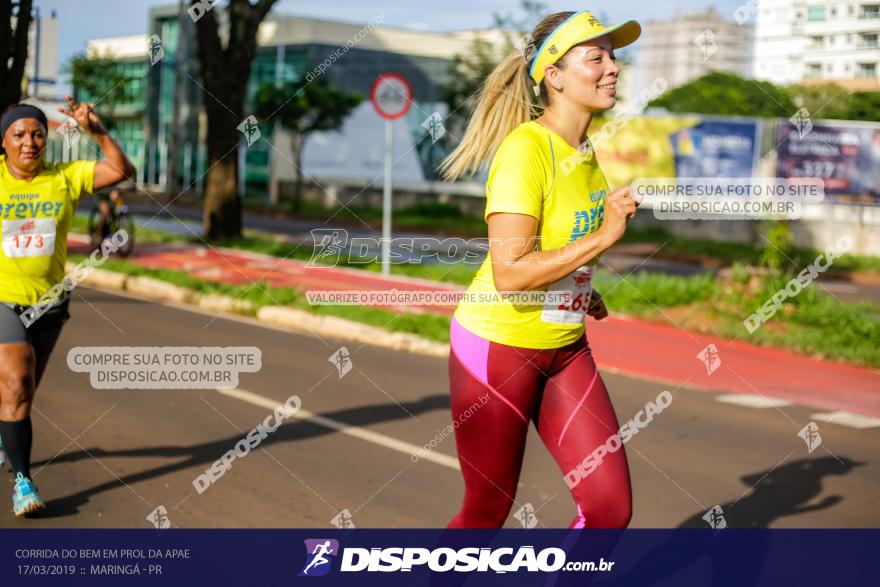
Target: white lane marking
x=750, y=400
x=355, y=431
x=846, y=419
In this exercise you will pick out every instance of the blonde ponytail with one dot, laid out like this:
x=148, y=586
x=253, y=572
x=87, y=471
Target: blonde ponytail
x=505, y=101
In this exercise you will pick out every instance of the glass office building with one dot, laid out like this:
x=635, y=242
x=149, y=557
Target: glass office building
x=150, y=125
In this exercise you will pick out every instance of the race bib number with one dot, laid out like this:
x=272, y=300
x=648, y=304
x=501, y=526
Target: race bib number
x=579, y=284
x=33, y=237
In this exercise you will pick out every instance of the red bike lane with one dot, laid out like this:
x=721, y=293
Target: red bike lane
x=629, y=346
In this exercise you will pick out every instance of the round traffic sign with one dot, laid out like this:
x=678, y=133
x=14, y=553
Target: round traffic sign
x=391, y=95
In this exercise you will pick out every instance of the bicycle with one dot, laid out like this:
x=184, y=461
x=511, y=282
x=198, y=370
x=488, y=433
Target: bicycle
x=117, y=219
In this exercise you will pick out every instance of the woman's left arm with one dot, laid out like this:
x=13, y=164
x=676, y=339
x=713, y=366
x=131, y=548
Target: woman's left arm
x=115, y=166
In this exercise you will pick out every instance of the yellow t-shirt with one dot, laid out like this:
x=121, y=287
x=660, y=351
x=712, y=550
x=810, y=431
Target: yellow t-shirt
x=535, y=172
x=35, y=218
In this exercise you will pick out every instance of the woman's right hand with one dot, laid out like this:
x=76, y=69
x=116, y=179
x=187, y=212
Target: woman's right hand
x=619, y=208
x=85, y=116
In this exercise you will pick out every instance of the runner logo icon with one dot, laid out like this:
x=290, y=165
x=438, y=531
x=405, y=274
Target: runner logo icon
x=320, y=554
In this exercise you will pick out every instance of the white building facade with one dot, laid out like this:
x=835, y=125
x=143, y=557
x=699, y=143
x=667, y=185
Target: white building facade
x=800, y=41
x=691, y=45
x=41, y=67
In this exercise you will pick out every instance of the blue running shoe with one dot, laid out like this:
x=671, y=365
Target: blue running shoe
x=25, y=499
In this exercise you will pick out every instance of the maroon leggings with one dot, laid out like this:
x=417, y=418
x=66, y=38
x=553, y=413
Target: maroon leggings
x=496, y=390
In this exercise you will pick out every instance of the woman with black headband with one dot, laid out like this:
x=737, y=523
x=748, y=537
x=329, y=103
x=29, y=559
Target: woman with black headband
x=37, y=203
x=550, y=215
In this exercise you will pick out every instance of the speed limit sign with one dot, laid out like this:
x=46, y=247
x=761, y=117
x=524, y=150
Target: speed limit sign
x=391, y=96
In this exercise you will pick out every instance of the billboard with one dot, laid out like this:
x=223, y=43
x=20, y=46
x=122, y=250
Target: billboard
x=679, y=146
x=717, y=148
x=640, y=148
x=845, y=156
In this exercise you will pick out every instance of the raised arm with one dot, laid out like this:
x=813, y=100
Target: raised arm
x=115, y=166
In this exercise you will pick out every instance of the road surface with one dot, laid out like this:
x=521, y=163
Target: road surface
x=109, y=458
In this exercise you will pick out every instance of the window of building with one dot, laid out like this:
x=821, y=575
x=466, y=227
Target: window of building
x=814, y=70
x=868, y=41
x=130, y=91
x=867, y=70
x=264, y=69
x=129, y=132
x=870, y=11
x=833, y=12
x=816, y=13
x=816, y=42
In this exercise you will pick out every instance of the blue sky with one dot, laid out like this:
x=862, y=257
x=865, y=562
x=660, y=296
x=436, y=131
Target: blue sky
x=81, y=20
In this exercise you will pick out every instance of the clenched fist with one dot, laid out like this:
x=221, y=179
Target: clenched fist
x=619, y=208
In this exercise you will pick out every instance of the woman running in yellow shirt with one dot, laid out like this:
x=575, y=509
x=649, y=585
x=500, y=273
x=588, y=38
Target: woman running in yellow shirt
x=37, y=202
x=550, y=217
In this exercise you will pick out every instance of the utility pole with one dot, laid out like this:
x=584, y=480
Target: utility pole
x=172, y=174
x=36, y=79
x=274, y=188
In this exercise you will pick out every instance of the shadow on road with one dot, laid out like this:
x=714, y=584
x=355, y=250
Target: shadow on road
x=772, y=494
x=201, y=456
x=776, y=493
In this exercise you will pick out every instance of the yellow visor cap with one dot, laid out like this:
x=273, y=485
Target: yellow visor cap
x=577, y=28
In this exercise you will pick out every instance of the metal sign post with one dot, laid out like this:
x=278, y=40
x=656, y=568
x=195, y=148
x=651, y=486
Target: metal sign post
x=386, y=198
x=391, y=96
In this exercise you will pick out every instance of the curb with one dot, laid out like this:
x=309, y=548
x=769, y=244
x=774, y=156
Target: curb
x=160, y=290
x=336, y=327
x=103, y=278
x=221, y=303
x=290, y=319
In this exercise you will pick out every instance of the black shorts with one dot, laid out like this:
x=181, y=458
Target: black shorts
x=42, y=334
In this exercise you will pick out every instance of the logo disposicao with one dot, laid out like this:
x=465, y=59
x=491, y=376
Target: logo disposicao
x=320, y=554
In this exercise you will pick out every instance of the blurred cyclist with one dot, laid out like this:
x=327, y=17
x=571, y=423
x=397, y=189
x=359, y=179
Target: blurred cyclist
x=37, y=203
x=106, y=204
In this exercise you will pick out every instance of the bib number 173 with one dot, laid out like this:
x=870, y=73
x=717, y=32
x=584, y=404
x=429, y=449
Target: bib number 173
x=33, y=237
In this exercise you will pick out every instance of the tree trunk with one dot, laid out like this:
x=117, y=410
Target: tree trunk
x=172, y=160
x=13, y=50
x=222, y=208
x=297, y=141
x=222, y=212
x=225, y=71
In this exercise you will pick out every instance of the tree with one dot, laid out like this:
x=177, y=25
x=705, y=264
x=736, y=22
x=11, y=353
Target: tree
x=864, y=106
x=225, y=70
x=316, y=106
x=13, y=49
x=778, y=249
x=728, y=93
x=468, y=71
x=98, y=79
x=467, y=74
x=835, y=102
x=821, y=100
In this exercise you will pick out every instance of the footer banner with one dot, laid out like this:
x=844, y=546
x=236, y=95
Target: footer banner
x=365, y=557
